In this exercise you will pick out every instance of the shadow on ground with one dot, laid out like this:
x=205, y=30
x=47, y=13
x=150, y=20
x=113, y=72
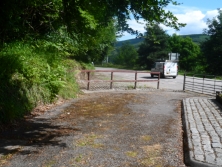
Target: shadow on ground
x=36, y=132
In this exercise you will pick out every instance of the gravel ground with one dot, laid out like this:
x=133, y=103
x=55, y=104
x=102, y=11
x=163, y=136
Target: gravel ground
x=114, y=128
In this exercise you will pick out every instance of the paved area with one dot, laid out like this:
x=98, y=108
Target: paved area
x=203, y=123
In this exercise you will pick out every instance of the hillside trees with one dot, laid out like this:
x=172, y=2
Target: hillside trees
x=126, y=55
x=211, y=48
x=154, y=47
x=157, y=44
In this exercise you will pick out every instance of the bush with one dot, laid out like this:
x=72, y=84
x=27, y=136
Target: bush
x=32, y=75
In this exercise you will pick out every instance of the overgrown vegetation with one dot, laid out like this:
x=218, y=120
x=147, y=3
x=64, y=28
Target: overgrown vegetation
x=33, y=75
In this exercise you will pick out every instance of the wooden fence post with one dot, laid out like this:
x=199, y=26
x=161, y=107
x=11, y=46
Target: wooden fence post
x=88, y=74
x=184, y=81
x=135, y=80
x=111, y=83
x=158, y=83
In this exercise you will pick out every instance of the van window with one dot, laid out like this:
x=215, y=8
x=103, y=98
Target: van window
x=159, y=65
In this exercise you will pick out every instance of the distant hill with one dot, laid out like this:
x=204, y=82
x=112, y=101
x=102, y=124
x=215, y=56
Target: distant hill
x=135, y=41
x=197, y=38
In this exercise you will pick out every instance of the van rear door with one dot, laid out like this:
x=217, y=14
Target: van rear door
x=170, y=69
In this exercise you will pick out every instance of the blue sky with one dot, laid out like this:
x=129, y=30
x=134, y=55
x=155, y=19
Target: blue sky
x=192, y=12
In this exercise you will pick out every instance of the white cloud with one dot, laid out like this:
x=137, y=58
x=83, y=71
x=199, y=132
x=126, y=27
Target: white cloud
x=195, y=20
x=211, y=14
x=190, y=17
x=180, y=9
x=194, y=23
x=193, y=17
x=137, y=26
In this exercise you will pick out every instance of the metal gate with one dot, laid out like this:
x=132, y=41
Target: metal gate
x=205, y=84
x=89, y=80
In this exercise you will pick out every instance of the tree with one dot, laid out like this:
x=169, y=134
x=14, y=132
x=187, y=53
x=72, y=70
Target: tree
x=28, y=18
x=188, y=50
x=155, y=46
x=19, y=18
x=98, y=45
x=211, y=48
x=98, y=12
x=85, y=21
x=126, y=55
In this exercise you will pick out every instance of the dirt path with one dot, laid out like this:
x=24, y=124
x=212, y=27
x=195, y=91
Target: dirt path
x=124, y=128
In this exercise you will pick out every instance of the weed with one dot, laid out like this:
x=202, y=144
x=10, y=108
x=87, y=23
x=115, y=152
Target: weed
x=131, y=154
x=89, y=140
x=152, y=156
x=146, y=138
x=78, y=158
x=130, y=87
x=50, y=163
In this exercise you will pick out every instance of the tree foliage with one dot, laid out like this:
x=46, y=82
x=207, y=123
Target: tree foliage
x=155, y=46
x=86, y=22
x=25, y=18
x=158, y=44
x=211, y=48
x=98, y=12
x=188, y=50
x=39, y=17
x=126, y=55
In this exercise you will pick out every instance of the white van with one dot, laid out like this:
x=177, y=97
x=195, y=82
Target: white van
x=167, y=68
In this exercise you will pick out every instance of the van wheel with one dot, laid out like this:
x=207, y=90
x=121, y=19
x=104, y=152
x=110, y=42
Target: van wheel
x=174, y=77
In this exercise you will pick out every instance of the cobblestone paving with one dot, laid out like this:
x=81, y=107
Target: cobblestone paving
x=203, y=118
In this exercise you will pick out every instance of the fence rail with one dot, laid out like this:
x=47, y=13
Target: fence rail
x=205, y=84
x=112, y=80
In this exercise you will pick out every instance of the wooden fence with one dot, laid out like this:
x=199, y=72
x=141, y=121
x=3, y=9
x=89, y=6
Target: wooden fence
x=112, y=80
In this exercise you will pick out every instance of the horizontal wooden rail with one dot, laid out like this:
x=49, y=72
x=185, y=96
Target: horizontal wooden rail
x=119, y=71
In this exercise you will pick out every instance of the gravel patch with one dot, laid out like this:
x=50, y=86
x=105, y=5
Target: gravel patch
x=113, y=128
